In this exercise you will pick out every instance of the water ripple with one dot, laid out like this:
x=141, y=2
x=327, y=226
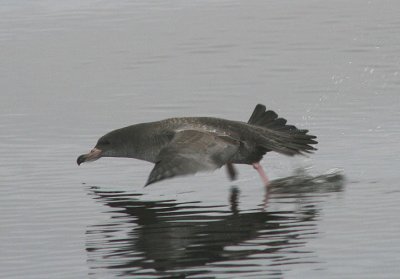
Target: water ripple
x=170, y=238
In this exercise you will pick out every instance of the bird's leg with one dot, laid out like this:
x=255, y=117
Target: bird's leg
x=232, y=173
x=257, y=166
x=261, y=172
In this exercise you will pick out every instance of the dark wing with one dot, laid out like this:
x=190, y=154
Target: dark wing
x=192, y=151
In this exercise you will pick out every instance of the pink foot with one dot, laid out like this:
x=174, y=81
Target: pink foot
x=261, y=172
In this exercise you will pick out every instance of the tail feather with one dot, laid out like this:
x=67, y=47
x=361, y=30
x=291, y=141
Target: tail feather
x=278, y=136
x=262, y=117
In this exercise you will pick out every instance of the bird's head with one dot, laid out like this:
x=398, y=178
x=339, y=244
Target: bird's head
x=107, y=146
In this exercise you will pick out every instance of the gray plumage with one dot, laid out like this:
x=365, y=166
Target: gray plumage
x=182, y=146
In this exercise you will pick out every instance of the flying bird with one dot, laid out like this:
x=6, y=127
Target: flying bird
x=187, y=145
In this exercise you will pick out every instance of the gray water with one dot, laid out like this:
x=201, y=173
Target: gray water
x=70, y=71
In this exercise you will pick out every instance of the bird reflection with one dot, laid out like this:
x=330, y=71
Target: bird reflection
x=168, y=238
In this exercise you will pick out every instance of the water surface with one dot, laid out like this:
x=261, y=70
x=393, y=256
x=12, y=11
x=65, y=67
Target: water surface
x=72, y=71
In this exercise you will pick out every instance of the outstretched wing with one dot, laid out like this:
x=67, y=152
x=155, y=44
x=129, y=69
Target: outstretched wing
x=192, y=151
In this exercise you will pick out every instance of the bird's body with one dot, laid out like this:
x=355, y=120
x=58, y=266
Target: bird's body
x=186, y=145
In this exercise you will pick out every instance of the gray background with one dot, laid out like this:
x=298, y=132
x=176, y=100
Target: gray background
x=71, y=71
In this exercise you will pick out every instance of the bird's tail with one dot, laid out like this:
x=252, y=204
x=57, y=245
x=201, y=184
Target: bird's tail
x=287, y=139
